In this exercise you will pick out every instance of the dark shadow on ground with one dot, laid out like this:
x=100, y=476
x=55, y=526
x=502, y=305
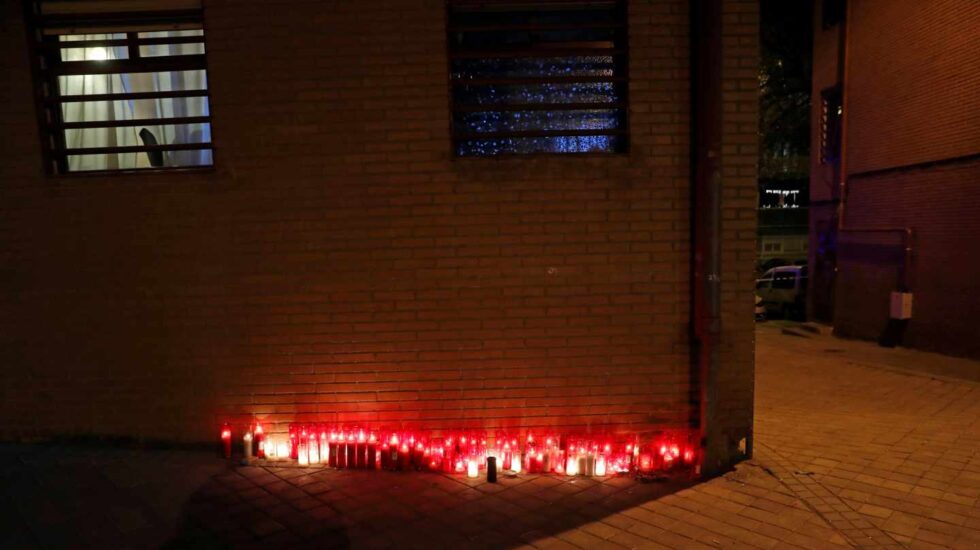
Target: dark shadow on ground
x=319, y=508
x=64, y=496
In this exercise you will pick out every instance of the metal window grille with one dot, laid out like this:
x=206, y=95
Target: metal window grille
x=154, y=52
x=546, y=76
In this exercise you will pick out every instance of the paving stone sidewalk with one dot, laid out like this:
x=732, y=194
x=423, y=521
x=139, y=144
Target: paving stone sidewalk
x=855, y=447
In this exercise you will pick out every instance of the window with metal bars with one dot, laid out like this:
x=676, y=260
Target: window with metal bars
x=546, y=76
x=121, y=85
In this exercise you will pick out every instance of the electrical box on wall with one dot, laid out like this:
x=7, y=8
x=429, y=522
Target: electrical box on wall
x=901, y=306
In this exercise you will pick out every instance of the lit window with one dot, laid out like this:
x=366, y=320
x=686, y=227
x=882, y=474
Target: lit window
x=538, y=77
x=123, y=85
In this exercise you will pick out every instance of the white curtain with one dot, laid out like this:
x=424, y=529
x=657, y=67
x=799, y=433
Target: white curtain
x=122, y=136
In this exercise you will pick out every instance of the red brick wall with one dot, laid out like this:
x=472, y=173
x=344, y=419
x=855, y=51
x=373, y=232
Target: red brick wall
x=339, y=265
x=913, y=82
x=912, y=97
x=941, y=205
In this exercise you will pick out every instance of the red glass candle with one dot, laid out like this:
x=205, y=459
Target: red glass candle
x=448, y=455
x=225, y=440
x=350, y=450
x=419, y=457
x=385, y=456
x=404, y=457
x=645, y=465
x=259, y=441
x=688, y=456
x=372, y=451
x=394, y=443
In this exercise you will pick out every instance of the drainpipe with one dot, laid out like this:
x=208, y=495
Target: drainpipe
x=706, y=137
x=843, y=62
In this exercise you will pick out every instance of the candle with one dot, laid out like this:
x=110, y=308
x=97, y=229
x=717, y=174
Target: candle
x=324, y=448
x=492, y=469
x=247, y=444
x=688, y=456
x=293, y=442
x=372, y=452
x=361, y=460
x=385, y=456
x=418, y=455
x=351, y=446
x=472, y=469
x=447, y=455
x=282, y=449
x=515, y=466
x=571, y=468
x=393, y=456
x=646, y=463
x=332, y=456
x=314, y=449
x=226, y=440
x=259, y=441
x=303, y=455
x=600, y=466
x=404, y=457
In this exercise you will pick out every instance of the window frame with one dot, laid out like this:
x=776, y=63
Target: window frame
x=46, y=66
x=621, y=77
x=830, y=136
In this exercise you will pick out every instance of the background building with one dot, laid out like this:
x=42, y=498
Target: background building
x=895, y=170
x=351, y=256
x=783, y=235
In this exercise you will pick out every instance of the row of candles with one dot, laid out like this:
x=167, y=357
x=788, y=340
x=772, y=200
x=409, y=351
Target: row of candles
x=462, y=452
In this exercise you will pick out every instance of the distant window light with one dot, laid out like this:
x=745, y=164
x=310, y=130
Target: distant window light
x=121, y=85
x=834, y=12
x=538, y=77
x=831, y=112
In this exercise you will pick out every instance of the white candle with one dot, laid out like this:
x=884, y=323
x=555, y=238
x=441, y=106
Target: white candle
x=304, y=456
x=600, y=466
x=571, y=468
x=472, y=470
x=282, y=449
x=247, y=441
x=515, y=465
x=314, y=451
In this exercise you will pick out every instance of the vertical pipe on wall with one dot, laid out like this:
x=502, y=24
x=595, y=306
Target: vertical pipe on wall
x=706, y=137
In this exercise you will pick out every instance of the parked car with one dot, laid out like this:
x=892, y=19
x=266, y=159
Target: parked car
x=782, y=291
x=760, y=310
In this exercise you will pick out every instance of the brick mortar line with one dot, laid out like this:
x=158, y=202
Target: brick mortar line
x=780, y=469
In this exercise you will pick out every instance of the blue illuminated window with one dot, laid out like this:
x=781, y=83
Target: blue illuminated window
x=538, y=77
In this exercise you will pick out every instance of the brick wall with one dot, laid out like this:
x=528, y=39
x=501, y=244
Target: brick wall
x=913, y=82
x=912, y=97
x=339, y=265
x=941, y=205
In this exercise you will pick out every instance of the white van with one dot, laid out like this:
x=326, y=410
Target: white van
x=783, y=291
